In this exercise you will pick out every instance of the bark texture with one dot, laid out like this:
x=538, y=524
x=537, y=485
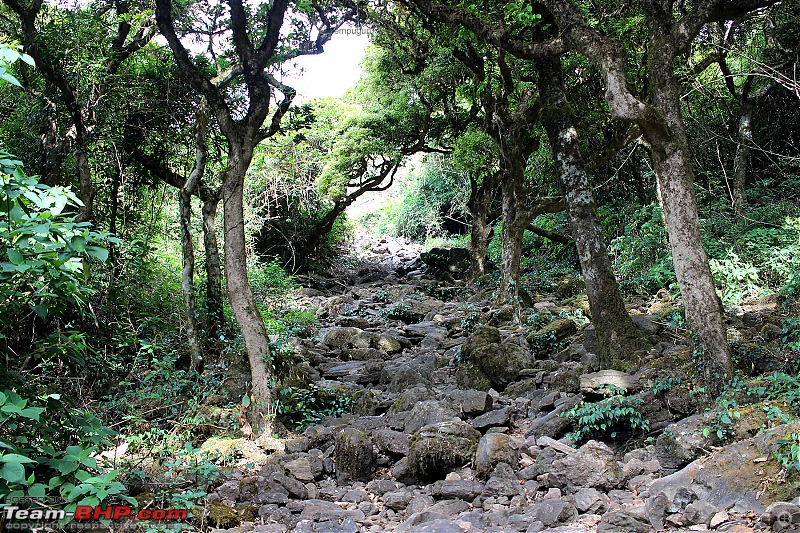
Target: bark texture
x=620, y=343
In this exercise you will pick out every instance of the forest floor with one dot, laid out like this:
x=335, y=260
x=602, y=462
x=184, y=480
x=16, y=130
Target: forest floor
x=462, y=418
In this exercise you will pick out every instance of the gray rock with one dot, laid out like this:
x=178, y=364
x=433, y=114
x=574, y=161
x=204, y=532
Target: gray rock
x=550, y=512
x=503, y=482
x=390, y=442
x=783, y=514
x=683, y=442
x=426, y=413
x=494, y=448
x=397, y=500
x=730, y=479
x=699, y=512
x=229, y=491
x=593, y=465
x=471, y=402
x=592, y=383
x=321, y=511
x=339, y=337
x=355, y=459
x=438, y=526
x=437, y=448
x=502, y=362
x=402, y=376
x=499, y=417
x=348, y=525
x=648, y=324
x=622, y=522
x=589, y=500
x=461, y=489
x=554, y=424
x=293, y=486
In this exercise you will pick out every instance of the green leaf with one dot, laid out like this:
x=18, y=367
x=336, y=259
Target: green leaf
x=101, y=254
x=78, y=243
x=15, y=458
x=37, y=491
x=13, y=473
x=15, y=257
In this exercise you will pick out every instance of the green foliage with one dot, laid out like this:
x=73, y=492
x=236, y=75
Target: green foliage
x=301, y=407
x=44, y=253
x=608, y=418
x=472, y=318
x=396, y=311
x=50, y=449
x=660, y=387
x=790, y=334
x=735, y=278
x=8, y=56
x=788, y=452
x=428, y=201
x=721, y=426
x=641, y=254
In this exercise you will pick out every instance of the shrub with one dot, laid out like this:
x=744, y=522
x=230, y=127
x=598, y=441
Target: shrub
x=301, y=406
x=50, y=449
x=610, y=417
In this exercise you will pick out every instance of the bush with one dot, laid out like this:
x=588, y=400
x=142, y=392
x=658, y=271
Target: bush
x=607, y=418
x=50, y=449
x=305, y=406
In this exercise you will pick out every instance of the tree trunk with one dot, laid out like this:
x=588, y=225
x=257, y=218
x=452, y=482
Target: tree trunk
x=213, y=303
x=187, y=282
x=514, y=222
x=86, y=190
x=620, y=343
x=240, y=294
x=481, y=232
x=742, y=157
x=673, y=168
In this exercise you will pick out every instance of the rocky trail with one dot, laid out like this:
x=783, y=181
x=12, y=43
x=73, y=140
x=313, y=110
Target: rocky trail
x=458, y=423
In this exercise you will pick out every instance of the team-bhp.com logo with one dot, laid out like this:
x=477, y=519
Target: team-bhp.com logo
x=15, y=517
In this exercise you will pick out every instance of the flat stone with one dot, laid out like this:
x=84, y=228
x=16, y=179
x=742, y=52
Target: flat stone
x=458, y=489
x=592, y=383
x=500, y=417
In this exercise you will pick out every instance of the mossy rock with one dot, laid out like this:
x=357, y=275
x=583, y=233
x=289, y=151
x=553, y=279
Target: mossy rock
x=436, y=449
x=221, y=516
x=567, y=381
x=469, y=376
x=355, y=459
x=364, y=403
x=561, y=327
x=569, y=285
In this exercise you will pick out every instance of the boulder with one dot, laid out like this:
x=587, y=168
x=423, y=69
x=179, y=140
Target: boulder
x=339, y=337
x=501, y=362
x=552, y=512
x=494, y=448
x=426, y=413
x=355, y=459
x=402, y=376
x=594, y=382
x=437, y=448
x=732, y=478
x=390, y=442
x=471, y=402
x=593, y=465
x=554, y=424
x=683, y=442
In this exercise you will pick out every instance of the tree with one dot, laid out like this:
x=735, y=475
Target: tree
x=257, y=47
x=81, y=91
x=672, y=29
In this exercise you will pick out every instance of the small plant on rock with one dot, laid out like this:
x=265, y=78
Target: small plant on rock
x=302, y=407
x=788, y=453
x=396, y=311
x=608, y=418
